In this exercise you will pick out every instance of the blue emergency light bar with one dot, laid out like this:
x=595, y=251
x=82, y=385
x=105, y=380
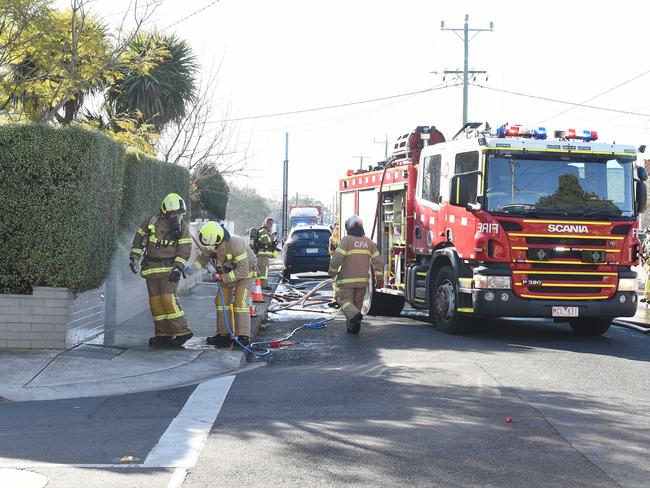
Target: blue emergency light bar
x=584, y=135
x=514, y=130
x=539, y=133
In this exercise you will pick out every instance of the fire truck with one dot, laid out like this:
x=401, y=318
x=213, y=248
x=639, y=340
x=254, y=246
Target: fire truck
x=503, y=223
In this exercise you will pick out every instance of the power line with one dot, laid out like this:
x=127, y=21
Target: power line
x=328, y=107
x=192, y=14
x=599, y=95
x=555, y=100
x=339, y=119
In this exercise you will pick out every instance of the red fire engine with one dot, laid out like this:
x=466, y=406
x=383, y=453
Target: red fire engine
x=503, y=223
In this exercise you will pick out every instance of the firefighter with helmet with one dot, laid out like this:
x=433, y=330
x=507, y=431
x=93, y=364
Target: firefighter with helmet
x=235, y=268
x=266, y=249
x=160, y=250
x=334, y=238
x=350, y=266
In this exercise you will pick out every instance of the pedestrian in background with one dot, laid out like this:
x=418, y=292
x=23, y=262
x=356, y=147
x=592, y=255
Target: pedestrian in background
x=350, y=265
x=236, y=267
x=164, y=245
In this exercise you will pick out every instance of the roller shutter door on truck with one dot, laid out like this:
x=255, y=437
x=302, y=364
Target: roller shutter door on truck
x=367, y=209
x=346, y=208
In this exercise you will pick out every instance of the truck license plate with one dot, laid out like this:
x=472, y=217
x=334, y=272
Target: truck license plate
x=311, y=250
x=565, y=311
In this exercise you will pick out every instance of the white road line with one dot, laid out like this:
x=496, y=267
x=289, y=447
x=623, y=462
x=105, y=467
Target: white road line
x=181, y=444
x=176, y=481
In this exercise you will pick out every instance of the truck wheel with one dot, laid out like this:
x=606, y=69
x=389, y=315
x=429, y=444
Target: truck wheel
x=590, y=326
x=444, y=301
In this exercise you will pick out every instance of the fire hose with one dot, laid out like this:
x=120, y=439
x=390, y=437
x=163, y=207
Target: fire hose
x=263, y=348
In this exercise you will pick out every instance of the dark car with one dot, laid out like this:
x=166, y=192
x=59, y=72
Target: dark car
x=306, y=249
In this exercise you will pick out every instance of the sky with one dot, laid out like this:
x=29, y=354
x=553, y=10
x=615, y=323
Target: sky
x=288, y=55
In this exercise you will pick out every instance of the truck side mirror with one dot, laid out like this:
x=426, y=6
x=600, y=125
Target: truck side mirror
x=641, y=173
x=641, y=196
x=460, y=188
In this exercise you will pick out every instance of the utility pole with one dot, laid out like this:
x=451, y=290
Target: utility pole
x=285, y=186
x=385, y=143
x=466, y=30
x=360, y=158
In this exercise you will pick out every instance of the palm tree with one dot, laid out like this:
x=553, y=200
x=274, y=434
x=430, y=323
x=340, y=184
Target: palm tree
x=160, y=94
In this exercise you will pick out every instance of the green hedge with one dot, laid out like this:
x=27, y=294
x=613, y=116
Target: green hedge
x=146, y=182
x=213, y=193
x=60, y=203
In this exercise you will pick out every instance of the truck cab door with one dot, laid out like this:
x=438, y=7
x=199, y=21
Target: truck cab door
x=427, y=206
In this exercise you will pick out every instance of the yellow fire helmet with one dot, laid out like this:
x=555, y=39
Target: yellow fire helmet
x=211, y=234
x=173, y=203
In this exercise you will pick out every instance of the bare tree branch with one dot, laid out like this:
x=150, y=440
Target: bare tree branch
x=192, y=142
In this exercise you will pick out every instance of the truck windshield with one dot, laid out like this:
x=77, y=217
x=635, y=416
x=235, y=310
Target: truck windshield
x=585, y=188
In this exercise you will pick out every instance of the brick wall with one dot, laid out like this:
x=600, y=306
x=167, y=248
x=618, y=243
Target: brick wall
x=37, y=321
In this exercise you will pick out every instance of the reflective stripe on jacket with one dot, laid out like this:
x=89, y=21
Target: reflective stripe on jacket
x=234, y=252
x=350, y=262
x=161, y=253
x=264, y=242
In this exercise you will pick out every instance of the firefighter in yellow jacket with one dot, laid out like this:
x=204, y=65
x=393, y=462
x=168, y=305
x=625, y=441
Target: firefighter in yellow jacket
x=265, y=251
x=334, y=238
x=350, y=265
x=235, y=265
x=163, y=244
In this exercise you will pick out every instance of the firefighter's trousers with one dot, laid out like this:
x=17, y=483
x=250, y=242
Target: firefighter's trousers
x=168, y=316
x=263, y=267
x=235, y=304
x=351, y=300
x=647, y=282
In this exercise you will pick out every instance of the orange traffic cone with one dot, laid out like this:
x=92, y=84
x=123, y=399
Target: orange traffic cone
x=257, y=291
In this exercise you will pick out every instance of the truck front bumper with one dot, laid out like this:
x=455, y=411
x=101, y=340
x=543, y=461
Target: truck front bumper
x=514, y=306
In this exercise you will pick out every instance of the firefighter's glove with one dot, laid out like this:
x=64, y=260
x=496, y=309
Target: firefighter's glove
x=175, y=274
x=135, y=266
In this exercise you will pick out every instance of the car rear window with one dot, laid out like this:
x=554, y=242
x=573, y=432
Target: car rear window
x=311, y=235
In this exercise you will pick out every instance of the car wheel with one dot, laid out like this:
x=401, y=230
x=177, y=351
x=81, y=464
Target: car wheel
x=286, y=274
